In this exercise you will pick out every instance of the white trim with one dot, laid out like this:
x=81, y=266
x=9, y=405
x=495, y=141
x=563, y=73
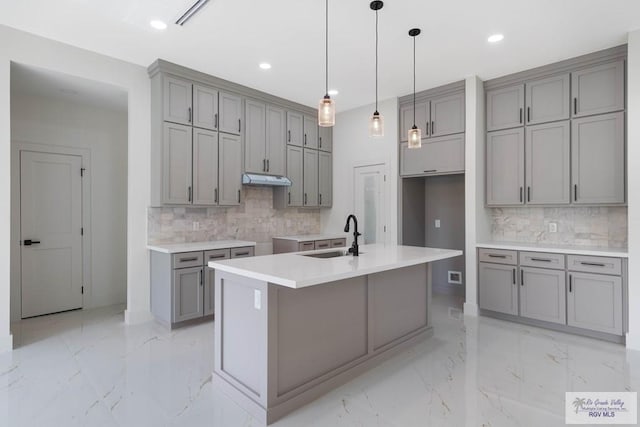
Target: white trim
x=18, y=146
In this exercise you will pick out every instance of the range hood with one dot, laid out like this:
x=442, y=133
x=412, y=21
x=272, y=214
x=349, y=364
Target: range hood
x=268, y=180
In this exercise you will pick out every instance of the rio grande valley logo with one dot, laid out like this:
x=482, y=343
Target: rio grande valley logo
x=601, y=408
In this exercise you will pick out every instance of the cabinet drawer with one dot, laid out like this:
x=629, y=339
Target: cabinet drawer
x=498, y=256
x=306, y=246
x=595, y=264
x=246, y=251
x=188, y=259
x=338, y=243
x=541, y=259
x=217, y=255
x=323, y=244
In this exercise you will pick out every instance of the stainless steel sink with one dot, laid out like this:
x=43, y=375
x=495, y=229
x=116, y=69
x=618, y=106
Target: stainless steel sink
x=331, y=254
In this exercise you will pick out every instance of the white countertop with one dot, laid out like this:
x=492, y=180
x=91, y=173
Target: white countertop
x=174, y=248
x=294, y=270
x=560, y=249
x=309, y=237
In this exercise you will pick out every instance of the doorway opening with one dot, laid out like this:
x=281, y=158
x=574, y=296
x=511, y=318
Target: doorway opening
x=370, y=195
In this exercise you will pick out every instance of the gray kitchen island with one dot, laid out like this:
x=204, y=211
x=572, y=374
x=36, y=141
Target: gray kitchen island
x=291, y=327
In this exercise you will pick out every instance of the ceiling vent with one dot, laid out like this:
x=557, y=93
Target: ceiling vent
x=195, y=8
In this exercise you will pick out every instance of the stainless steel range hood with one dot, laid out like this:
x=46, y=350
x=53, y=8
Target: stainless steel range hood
x=267, y=180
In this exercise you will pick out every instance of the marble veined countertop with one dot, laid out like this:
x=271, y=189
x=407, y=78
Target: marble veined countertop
x=175, y=248
x=560, y=249
x=294, y=270
x=310, y=237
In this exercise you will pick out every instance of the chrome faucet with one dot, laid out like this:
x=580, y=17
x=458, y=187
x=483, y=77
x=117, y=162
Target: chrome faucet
x=354, y=247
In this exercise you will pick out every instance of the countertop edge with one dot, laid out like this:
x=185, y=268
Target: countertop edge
x=176, y=248
x=616, y=253
x=312, y=237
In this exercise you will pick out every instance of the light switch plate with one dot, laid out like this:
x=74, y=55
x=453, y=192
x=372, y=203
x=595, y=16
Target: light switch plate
x=553, y=227
x=437, y=223
x=257, y=299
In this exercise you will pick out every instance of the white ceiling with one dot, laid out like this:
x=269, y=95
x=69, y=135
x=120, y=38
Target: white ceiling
x=228, y=38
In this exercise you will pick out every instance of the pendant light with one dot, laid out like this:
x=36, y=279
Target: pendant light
x=415, y=134
x=326, y=107
x=376, y=122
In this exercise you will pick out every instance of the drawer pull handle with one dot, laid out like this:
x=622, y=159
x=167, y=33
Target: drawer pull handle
x=242, y=253
x=338, y=244
x=323, y=246
x=188, y=259
x=541, y=259
x=497, y=256
x=217, y=256
x=593, y=264
x=431, y=171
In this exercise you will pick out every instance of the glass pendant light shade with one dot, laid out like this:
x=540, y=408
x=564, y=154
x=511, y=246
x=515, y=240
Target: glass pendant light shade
x=376, y=125
x=326, y=112
x=415, y=137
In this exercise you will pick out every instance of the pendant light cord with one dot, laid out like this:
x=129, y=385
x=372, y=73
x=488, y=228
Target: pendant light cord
x=377, y=61
x=414, y=81
x=326, y=47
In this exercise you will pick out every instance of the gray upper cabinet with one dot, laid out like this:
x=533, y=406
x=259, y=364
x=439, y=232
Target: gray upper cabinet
x=505, y=167
x=205, y=167
x=436, y=156
x=325, y=191
x=498, y=288
x=422, y=119
x=187, y=294
x=310, y=132
x=594, y=301
x=176, y=164
x=205, y=107
x=177, y=100
x=505, y=107
x=325, y=138
x=310, y=180
x=413, y=161
x=295, y=132
x=543, y=294
x=598, y=159
x=230, y=112
x=548, y=99
x=276, y=140
x=230, y=169
x=295, y=193
x=598, y=89
x=447, y=115
x=255, y=137
x=548, y=158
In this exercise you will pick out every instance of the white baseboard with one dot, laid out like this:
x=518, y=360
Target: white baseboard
x=6, y=343
x=136, y=317
x=470, y=309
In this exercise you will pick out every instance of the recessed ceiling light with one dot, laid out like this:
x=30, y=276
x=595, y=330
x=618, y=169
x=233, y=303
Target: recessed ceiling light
x=495, y=38
x=158, y=25
x=333, y=92
x=265, y=66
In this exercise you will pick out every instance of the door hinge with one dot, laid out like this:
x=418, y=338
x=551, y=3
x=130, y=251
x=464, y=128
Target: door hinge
x=82, y=171
x=82, y=231
x=82, y=290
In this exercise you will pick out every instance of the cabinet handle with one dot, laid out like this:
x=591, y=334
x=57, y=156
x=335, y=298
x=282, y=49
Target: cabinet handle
x=575, y=192
x=320, y=142
x=336, y=244
x=520, y=115
x=592, y=264
x=521, y=189
x=528, y=114
x=319, y=198
x=189, y=193
x=189, y=111
x=521, y=277
x=238, y=196
x=305, y=198
x=427, y=129
x=431, y=171
x=215, y=197
x=289, y=136
x=237, y=254
x=305, y=139
x=323, y=246
x=217, y=256
x=268, y=165
x=433, y=128
x=570, y=283
x=541, y=259
x=188, y=259
x=200, y=275
x=216, y=121
x=575, y=105
x=264, y=165
x=289, y=197
x=239, y=125
x=514, y=276
x=528, y=194
x=497, y=256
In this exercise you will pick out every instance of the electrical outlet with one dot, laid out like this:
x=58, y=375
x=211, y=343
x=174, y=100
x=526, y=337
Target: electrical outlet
x=257, y=299
x=553, y=227
x=437, y=223
x=196, y=226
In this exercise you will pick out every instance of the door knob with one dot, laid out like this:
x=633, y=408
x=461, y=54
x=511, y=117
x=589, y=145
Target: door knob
x=30, y=242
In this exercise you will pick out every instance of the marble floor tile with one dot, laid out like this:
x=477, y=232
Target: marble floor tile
x=87, y=368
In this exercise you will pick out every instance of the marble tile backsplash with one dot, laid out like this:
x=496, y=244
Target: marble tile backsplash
x=254, y=220
x=580, y=226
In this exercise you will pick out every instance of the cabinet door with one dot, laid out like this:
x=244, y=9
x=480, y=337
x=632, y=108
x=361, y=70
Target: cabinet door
x=595, y=302
x=310, y=132
x=443, y=155
x=325, y=190
x=422, y=119
x=176, y=164
x=187, y=294
x=413, y=161
x=543, y=294
x=310, y=181
x=498, y=288
x=548, y=161
x=598, y=159
x=205, y=167
x=598, y=89
x=209, y=291
x=505, y=167
x=505, y=107
x=177, y=95
x=295, y=196
x=205, y=107
x=548, y=100
x=276, y=141
x=447, y=115
x=295, y=132
x=230, y=170
x=230, y=110
x=325, y=138
x=255, y=137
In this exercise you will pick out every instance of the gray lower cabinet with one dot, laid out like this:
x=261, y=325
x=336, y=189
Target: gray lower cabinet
x=230, y=113
x=598, y=89
x=436, y=156
x=548, y=159
x=547, y=99
x=543, y=294
x=209, y=291
x=205, y=107
x=505, y=167
x=325, y=172
x=598, y=159
x=295, y=128
x=205, y=167
x=230, y=177
x=177, y=100
x=447, y=115
x=310, y=139
x=283, y=245
x=422, y=119
x=595, y=302
x=187, y=294
x=498, y=288
x=310, y=180
x=325, y=138
x=505, y=107
x=177, y=164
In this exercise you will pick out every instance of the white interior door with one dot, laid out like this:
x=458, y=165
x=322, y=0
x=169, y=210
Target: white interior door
x=50, y=230
x=370, y=189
